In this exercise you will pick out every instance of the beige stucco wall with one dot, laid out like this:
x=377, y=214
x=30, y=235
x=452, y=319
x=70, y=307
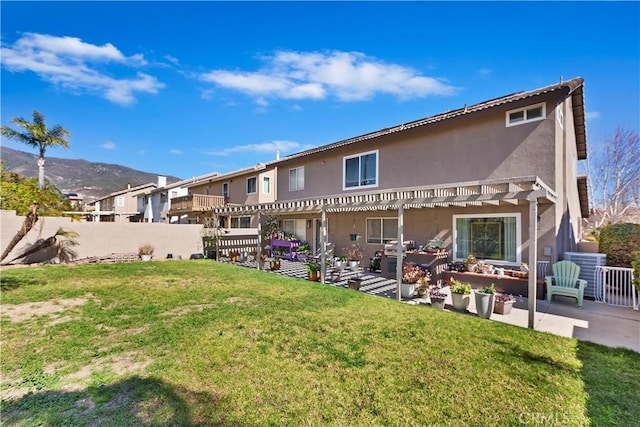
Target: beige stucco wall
x=104, y=238
x=478, y=147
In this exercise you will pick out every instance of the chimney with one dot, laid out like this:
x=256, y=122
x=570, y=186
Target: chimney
x=128, y=185
x=277, y=154
x=162, y=181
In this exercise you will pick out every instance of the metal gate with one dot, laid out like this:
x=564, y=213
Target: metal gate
x=614, y=286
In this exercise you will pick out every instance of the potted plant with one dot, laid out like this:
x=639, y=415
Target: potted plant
x=355, y=282
x=471, y=262
x=437, y=298
x=354, y=254
x=423, y=287
x=504, y=303
x=146, y=251
x=460, y=294
x=485, y=299
x=274, y=264
x=313, y=271
x=411, y=275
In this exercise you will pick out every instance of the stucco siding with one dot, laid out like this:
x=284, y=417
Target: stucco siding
x=474, y=148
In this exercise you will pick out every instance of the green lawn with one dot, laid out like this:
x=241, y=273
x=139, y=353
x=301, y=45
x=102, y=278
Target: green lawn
x=203, y=343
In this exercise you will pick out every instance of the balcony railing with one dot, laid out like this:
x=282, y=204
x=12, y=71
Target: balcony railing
x=196, y=202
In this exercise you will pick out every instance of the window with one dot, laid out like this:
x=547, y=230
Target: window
x=251, y=185
x=525, y=115
x=361, y=170
x=120, y=201
x=296, y=227
x=241, y=222
x=163, y=197
x=225, y=189
x=381, y=230
x=296, y=179
x=495, y=238
x=266, y=185
x=560, y=116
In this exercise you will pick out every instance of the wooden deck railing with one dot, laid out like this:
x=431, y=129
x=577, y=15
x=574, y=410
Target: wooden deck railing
x=196, y=202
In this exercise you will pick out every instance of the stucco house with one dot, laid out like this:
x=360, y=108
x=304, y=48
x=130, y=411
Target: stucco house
x=121, y=205
x=481, y=179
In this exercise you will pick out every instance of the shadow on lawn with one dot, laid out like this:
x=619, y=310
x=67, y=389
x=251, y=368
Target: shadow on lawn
x=10, y=283
x=132, y=402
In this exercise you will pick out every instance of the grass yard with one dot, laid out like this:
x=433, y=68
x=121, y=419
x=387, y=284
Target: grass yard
x=203, y=343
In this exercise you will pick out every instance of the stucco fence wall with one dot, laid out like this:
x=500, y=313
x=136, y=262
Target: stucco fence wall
x=104, y=238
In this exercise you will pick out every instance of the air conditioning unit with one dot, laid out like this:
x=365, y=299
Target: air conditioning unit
x=587, y=263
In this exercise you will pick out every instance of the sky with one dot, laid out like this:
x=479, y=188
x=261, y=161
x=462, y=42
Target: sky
x=189, y=88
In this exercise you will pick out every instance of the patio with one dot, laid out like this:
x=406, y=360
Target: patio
x=595, y=322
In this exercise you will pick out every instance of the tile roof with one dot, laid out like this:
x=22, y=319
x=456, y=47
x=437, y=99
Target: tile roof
x=574, y=87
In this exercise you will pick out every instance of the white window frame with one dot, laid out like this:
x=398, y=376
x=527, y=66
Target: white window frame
x=225, y=189
x=525, y=118
x=120, y=201
x=255, y=179
x=293, y=183
x=518, y=218
x=382, y=239
x=360, y=185
x=266, y=185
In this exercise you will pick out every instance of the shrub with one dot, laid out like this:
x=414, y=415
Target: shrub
x=619, y=241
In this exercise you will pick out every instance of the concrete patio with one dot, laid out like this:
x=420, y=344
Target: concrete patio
x=596, y=322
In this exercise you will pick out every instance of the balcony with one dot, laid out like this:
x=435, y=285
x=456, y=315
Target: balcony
x=196, y=203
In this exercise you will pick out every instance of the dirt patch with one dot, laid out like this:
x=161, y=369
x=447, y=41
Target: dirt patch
x=239, y=300
x=29, y=310
x=180, y=311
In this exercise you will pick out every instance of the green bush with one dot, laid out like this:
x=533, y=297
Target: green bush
x=635, y=263
x=626, y=234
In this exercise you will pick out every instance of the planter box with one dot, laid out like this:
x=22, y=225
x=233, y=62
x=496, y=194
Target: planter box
x=503, y=308
x=354, y=284
x=504, y=284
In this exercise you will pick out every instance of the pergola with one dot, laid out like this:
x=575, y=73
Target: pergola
x=512, y=191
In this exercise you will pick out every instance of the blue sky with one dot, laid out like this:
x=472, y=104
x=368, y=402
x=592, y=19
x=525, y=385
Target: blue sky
x=188, y=88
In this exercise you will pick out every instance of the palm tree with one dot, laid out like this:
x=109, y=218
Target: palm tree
x=38, y=136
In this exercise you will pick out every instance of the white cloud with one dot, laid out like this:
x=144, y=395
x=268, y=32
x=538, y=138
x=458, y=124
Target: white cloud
x=172, y=59
x=346, y=76
x=266, y=147
x=73, y=64
x=176, y=152
x=485, y=72
x=588, y=115
x=108, y=145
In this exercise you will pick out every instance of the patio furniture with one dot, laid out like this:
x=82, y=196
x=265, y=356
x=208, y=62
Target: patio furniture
x=565, y=281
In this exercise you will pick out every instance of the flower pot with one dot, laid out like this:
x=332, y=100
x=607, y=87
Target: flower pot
x=354, y=284
x=503, y=307
x=353, y=265
x=314, y=276
x=408, y=289
x=484, y=304
x=460, y=301
x=471, y=267
x=437, y=302
x=145, y=257
x=274, y=265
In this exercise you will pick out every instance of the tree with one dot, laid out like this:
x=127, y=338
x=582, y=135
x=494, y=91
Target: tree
x=38, y=136
x=23, y=195
x=614, y=178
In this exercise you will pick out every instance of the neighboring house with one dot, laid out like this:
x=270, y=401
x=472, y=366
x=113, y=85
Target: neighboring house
x=121, y=205
x=480, y=179
x=156, y=203
x=248, y=186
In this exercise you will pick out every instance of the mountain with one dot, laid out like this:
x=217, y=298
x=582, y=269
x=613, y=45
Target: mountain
x=89, y=180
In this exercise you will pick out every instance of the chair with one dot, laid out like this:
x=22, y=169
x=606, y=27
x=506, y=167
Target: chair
x=565, y=281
